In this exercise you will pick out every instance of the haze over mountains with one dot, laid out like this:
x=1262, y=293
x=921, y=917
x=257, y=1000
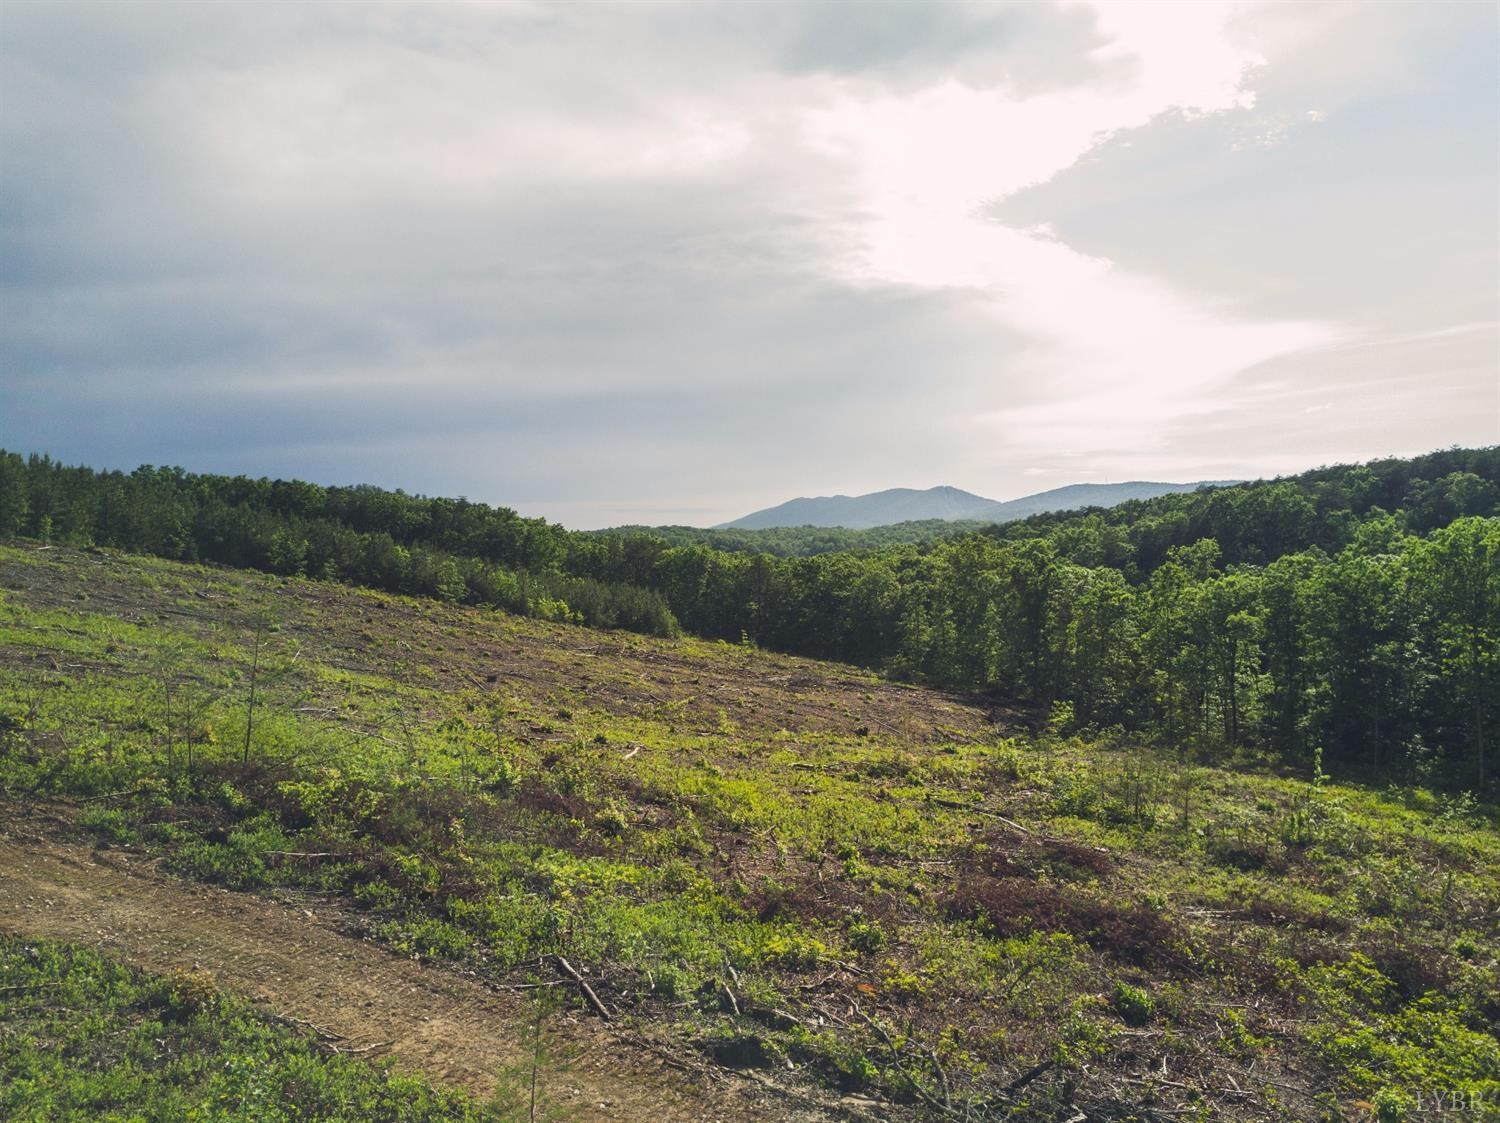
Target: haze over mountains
x=904, y=504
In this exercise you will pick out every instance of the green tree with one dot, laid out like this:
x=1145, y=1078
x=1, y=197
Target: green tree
x=1461, y=567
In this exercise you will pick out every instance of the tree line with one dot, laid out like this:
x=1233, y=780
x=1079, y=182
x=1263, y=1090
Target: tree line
x=1351, y=612
x=801, y=541
x=449, y=549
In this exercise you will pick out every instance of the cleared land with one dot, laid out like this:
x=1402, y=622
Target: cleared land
x=358, y=997
x=772, y=870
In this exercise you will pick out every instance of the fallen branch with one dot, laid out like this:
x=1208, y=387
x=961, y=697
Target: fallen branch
x=106, y=795
x=830, y=1015
x=922, y=1093
x=976, y=809
x=675, y=1059
x=588, y=992
x=847, y=1107
x=828, y=978
x=942, y=1076
x=1303, y=1092
x=362, y=1048
x=322, y=1031
x=1028, y=1076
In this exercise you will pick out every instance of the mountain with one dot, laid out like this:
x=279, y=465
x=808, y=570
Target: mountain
x=904, y=504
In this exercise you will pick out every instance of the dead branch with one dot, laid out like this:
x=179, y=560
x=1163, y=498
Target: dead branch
x=1028, y=1076
x=588, y=992
x=362, y=1048
x=322, y=1031
x=927, y=1097
x=828, y=978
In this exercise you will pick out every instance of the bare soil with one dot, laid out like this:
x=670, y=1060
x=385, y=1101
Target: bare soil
x=452, y=1029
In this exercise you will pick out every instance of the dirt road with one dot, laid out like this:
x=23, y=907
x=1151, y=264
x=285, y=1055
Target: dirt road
x=446, y=1026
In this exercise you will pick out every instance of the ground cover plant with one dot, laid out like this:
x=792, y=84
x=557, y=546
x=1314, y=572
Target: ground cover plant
x=842, y=883
x=85, y=1039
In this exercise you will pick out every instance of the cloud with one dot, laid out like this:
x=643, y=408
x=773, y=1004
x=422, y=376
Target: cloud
x=586, y=258
x=1110, y=352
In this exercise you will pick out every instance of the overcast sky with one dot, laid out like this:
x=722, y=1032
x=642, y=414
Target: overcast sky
x=672, y=262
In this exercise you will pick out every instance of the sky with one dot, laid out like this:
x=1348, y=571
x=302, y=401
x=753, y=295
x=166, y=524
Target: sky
x=673, y=262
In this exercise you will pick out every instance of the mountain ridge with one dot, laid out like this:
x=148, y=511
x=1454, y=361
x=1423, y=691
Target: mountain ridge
x=904, y=504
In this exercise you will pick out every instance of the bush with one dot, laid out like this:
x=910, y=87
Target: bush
x=867, y=938
x=1392, y=1106
x=611, y=821
x=1014, y=906
x=425, y=935
x=1133, y=1004
x=110, y=823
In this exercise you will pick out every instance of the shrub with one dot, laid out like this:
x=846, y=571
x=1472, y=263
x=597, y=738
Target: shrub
x=1133, y=1004
x=376, y=895
x=109, y=823
x=188, y=992
x=1014, y=906
x=1392, y=1106
x=1005, y=853
x=611, y=821
x=425, y=935
x=867, y=938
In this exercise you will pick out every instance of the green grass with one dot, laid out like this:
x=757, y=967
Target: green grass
x=921, y=907
x=83, y=1038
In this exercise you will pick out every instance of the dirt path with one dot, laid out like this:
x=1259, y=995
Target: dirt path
x=450, y=1028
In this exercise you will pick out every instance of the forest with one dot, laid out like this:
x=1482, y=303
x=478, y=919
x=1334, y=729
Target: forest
x=1346, y=618
x=800, y=541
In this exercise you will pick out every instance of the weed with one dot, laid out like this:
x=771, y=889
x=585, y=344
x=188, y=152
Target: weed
x=109, y=823
x=87, y=1038
x=1133, y=1004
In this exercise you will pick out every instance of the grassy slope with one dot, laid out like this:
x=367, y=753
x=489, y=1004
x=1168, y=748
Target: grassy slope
x=782, y=862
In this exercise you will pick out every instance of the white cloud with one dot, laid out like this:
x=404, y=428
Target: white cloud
x=394, y=119
x=1113, y=354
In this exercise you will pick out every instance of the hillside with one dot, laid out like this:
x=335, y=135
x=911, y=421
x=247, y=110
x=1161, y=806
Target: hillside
x=850, y=897
x=1198, y=617
x=950, y=504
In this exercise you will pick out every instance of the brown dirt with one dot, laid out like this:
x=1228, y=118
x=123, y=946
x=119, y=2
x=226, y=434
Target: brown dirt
x=457, y=648
x=450, y=1028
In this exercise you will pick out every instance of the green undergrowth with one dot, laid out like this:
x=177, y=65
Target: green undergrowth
x=920, y=906
x=84, y=1039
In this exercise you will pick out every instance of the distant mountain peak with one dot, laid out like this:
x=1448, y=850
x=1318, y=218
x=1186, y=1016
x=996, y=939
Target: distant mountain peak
x=904, y=504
